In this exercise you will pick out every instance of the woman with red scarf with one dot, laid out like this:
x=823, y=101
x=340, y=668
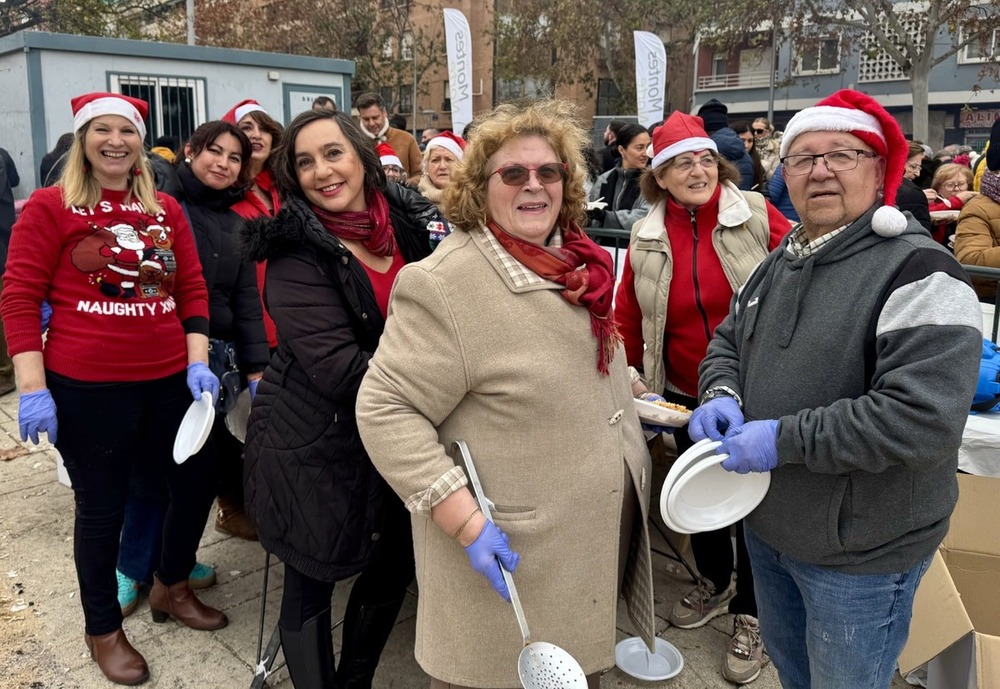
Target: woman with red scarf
x=332, y=253
x=505, y=338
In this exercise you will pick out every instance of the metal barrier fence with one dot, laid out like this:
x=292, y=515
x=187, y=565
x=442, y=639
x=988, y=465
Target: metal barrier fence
x=989, y=274
x=611, y=237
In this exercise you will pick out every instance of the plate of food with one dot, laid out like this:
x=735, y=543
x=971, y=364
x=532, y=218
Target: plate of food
x=662, y=413
x=940, y=217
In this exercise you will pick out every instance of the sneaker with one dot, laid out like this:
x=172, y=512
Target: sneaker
x=128, y=594
x=700, y=605
x=745, y=654
x=202, y=576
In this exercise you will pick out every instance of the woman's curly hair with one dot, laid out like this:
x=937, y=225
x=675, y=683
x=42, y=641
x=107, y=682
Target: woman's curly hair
x=555, y=121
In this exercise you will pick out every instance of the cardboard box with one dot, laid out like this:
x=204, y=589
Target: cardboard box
x=956, y=611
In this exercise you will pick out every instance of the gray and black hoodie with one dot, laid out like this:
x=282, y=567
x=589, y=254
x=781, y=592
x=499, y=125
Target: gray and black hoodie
x=867, y=352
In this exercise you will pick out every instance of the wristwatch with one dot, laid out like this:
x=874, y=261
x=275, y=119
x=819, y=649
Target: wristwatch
x=721, y=391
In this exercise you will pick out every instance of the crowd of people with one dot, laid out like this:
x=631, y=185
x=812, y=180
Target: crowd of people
x=379, y=299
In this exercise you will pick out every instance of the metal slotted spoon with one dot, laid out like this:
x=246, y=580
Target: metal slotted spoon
x=541, y=665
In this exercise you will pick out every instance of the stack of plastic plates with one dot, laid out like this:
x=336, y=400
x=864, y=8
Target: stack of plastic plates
x=699, y=495
x=194, y=428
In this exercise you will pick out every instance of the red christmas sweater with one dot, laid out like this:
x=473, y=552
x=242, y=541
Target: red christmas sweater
x=124, y=287
x=250, y=207
x=699, y=294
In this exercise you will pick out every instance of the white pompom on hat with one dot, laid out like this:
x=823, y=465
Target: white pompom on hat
x=680, y=133
x=859, y=114
x=241, y=110
x=91, y=105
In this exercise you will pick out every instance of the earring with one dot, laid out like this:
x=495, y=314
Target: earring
x=137, y=171
x=187, y=160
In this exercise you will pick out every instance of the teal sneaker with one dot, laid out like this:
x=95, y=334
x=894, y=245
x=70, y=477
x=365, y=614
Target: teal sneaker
x=202, y=576
x=128, y=594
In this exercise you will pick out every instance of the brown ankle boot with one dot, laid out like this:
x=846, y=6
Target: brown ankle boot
x=232, y=520
x=179, y=601
x=119, y=662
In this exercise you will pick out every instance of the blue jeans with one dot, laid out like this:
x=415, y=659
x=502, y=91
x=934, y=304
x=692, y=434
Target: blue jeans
x=825, y=629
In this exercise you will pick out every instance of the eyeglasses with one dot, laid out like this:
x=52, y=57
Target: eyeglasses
x=687, y=165
x=956, y=186
x=836, y=161
x=518, y=175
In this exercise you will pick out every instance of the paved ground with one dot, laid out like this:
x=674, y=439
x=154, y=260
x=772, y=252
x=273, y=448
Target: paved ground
x=41, y=622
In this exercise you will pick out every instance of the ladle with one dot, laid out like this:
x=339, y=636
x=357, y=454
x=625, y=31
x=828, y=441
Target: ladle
x=541, y=665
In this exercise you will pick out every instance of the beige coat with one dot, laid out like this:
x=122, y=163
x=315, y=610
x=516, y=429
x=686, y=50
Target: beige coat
x=511, y=370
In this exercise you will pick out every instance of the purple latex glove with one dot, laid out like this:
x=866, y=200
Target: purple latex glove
x=751, y=447
x=200, y=379
x=488, y=552
x=252, y=386
x=46, y=310
x=652, y=427
x=36, y=412
x=715, y=418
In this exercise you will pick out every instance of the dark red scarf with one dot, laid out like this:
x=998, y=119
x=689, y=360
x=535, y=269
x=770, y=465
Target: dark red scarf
x=371, y=227
x=586, y=271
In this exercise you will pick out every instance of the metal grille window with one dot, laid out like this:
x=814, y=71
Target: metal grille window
x=875, y=64
x=177, y=105
x=819, y=56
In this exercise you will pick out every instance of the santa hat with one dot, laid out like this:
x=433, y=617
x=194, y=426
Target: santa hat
x=450, y=142
x=387, y=155
x=680, y=133
x=241, y=110
x=91, y=105
x=861, y=115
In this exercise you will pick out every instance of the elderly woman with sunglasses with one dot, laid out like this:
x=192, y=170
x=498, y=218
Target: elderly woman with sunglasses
x=698, y=245
x=504, y=338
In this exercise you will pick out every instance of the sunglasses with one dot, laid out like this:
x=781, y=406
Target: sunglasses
x=517, y=175
x=759, y=131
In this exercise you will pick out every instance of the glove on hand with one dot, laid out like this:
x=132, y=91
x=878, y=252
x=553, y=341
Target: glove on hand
x=488, y=552
x=252, y=386
x=597, y=215
x=46, y=315
x=751, y=447
x=201, y=379
x=715, y=418
x=652, y=427
x=37, y=412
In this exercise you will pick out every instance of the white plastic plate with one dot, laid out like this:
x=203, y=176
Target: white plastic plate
x=707, y=497
x=691, y=456
x=633, y=658
x=238, y=416
x=194, y=428
x=662, y=416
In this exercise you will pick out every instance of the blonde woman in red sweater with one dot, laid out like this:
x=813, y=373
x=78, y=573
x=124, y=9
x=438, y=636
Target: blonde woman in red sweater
x=126, y=351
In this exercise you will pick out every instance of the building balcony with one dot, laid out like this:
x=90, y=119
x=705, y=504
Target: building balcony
x=740, y=80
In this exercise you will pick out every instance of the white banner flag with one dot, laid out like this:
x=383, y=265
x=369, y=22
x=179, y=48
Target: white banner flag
x=458, y=40
x=650, y=76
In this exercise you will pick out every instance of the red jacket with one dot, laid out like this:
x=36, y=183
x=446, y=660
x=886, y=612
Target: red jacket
x=124, y=287
x=250, y=207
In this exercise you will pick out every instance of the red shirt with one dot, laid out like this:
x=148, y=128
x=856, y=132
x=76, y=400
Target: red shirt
x=699, y=294
x=249, y=207
x=382, y=282
x=124, y=287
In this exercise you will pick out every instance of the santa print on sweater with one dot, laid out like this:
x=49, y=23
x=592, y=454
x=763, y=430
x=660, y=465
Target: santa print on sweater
x=120, y=281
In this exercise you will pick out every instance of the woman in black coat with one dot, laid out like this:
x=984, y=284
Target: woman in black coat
x=332, y=252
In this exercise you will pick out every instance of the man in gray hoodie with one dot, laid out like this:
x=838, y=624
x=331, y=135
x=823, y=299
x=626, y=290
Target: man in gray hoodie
x=845, y=368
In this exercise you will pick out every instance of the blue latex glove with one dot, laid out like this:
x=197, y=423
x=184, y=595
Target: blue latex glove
x=200, y=378
x=488, y=552
x=652, y=427
x=36, y=412
x=252, y=386
x=715, y=418
x=46, y=315
x=751, y=447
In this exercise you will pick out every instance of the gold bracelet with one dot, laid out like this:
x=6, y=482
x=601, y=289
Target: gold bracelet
x=459, y=530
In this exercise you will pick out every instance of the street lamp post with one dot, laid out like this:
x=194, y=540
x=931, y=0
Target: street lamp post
x=190, y=22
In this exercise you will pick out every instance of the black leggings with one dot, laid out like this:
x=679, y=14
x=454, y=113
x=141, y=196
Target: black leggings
x=713, y=550
x=389, y=571
x=103, y=430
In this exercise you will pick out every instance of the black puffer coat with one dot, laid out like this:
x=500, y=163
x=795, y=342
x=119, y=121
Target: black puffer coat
x=309, y=484
x=235, y=313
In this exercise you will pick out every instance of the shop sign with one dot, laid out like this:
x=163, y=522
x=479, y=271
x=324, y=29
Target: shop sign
x=977, y=119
